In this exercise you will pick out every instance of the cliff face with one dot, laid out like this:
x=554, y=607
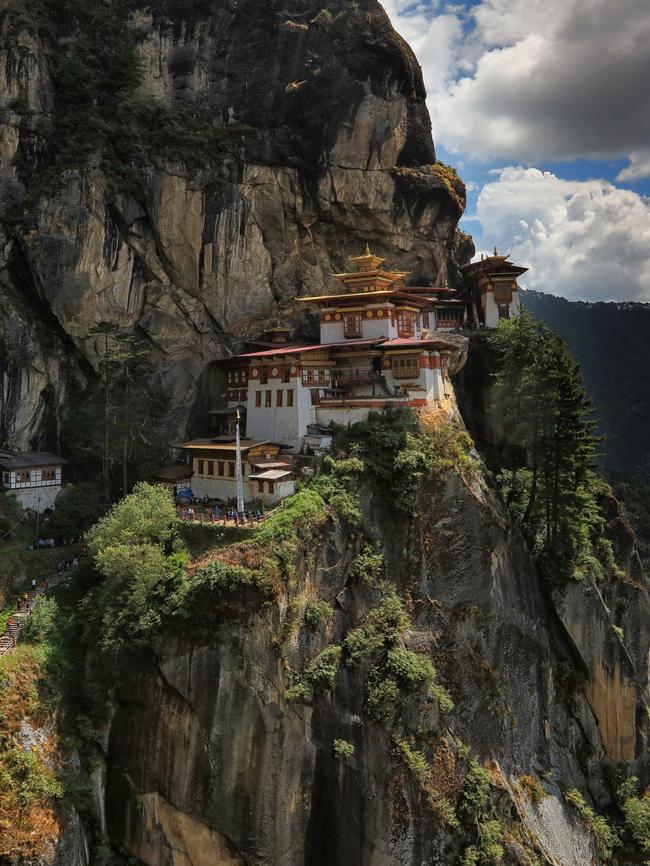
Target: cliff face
x=208, y=763
x=186, y=169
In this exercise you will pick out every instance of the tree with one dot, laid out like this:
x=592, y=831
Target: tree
x=141, y=562
x=115, y=426
x=76, y=509
x=107, y=332
x=550, y=447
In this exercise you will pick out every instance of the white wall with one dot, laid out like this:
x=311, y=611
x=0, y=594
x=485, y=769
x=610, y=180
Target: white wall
x=37, y=498
x=284, y=424
x=491, y=309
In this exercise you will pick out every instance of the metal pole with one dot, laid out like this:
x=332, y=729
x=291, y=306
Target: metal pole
x=239, y=475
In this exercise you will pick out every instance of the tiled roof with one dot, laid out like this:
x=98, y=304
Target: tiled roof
x=26, y=459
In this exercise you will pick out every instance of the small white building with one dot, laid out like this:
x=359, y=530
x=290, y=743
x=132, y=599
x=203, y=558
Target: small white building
x=34, y=478
x=494, y=289
x=265, y=475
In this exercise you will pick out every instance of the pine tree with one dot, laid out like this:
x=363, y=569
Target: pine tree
x=550, y=449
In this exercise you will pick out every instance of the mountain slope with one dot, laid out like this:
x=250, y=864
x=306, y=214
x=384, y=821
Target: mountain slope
x=610, y=342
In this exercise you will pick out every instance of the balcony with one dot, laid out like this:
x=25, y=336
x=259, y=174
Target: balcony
x=346, y=379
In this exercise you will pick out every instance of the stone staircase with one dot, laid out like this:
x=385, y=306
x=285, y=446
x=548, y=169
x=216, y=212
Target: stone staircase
x=16, y=621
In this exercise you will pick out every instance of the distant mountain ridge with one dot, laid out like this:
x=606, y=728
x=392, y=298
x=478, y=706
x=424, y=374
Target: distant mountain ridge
x=611, y=342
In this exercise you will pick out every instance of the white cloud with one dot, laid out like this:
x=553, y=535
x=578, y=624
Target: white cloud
x=580, y=239
x=536, y=79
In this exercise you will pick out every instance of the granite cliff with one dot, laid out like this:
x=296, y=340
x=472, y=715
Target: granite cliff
x=185, y=169
x=223, y=745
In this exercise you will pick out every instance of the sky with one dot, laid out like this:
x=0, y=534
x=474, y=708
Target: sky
x=543, y=107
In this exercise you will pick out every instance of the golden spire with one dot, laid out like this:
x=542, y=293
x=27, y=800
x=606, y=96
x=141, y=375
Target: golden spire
x=368, y=261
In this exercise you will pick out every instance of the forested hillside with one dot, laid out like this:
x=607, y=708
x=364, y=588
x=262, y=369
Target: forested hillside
x=610, y=342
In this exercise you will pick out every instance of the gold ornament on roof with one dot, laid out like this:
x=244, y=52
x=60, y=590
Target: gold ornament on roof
x=368, y=261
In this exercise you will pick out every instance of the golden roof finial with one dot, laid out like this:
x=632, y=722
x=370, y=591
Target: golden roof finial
x=368, y=261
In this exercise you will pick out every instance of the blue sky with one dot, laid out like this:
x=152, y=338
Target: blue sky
x=544, y=108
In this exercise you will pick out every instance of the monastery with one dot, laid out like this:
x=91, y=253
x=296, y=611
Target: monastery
x=34, y=478
x=382, y=344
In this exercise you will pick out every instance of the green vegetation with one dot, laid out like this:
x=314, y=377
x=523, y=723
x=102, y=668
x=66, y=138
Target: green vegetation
x=393, y=670
x=401, y=452
x=123, y=411
x=318, y=613
x=342, y=749
x=547, y=465
x=317, y=677
x=367, y=566
x=421, y=772
x=29, y=787
x=533, y=788
x=136, y=551
x=636, y=815
x=95, y=73
x=77, y=508
x=610, y=342
x=605, y=836
x=41, y=625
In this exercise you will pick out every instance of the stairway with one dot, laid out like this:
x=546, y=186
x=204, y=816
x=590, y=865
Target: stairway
x=16, y=621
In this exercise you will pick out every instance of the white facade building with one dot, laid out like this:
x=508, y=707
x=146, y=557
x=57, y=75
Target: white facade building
x=34, y=478
x=494, y=289
x=265, y=475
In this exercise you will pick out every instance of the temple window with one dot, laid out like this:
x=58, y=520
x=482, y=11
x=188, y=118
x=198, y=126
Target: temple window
x=290, y=397
x=267, y=398
x=504, y=312
x=221, y=468
x=258, y=399
x=264, y=375
x=22, y=476
x=285, y=374
x=405, y=323
x=199, y=467
x=315, y=377
x=352, y=325
x=210, y=467
x=406, y=368
x=278, y=398
x=231, y=469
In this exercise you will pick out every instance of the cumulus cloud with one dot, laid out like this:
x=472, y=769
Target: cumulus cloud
x=585, y=240
x=536, y=79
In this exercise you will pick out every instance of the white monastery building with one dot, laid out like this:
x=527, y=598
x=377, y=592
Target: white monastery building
x=382, y=344
x=34, y=478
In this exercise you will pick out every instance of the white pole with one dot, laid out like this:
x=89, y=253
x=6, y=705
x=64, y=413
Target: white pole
x=239, y=476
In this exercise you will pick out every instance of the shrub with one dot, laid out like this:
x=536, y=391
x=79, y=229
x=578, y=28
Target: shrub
x=412, y=670
x=317, y=613
x=381, y=696
x=636, y=812
x=342, y=749
x=367, y=565
x=606, y=838
x=419, y=769
x=382, y=627
x=322, y=671
x=475, y=792
x=318, y=676
x=40, y=625
x=533, y=788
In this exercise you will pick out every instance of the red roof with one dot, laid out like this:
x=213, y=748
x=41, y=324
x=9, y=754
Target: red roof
x=298, y=350
x=405, y=342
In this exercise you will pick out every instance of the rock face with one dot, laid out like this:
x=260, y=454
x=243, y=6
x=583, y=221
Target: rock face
x=208, y=763
x=314, y=139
